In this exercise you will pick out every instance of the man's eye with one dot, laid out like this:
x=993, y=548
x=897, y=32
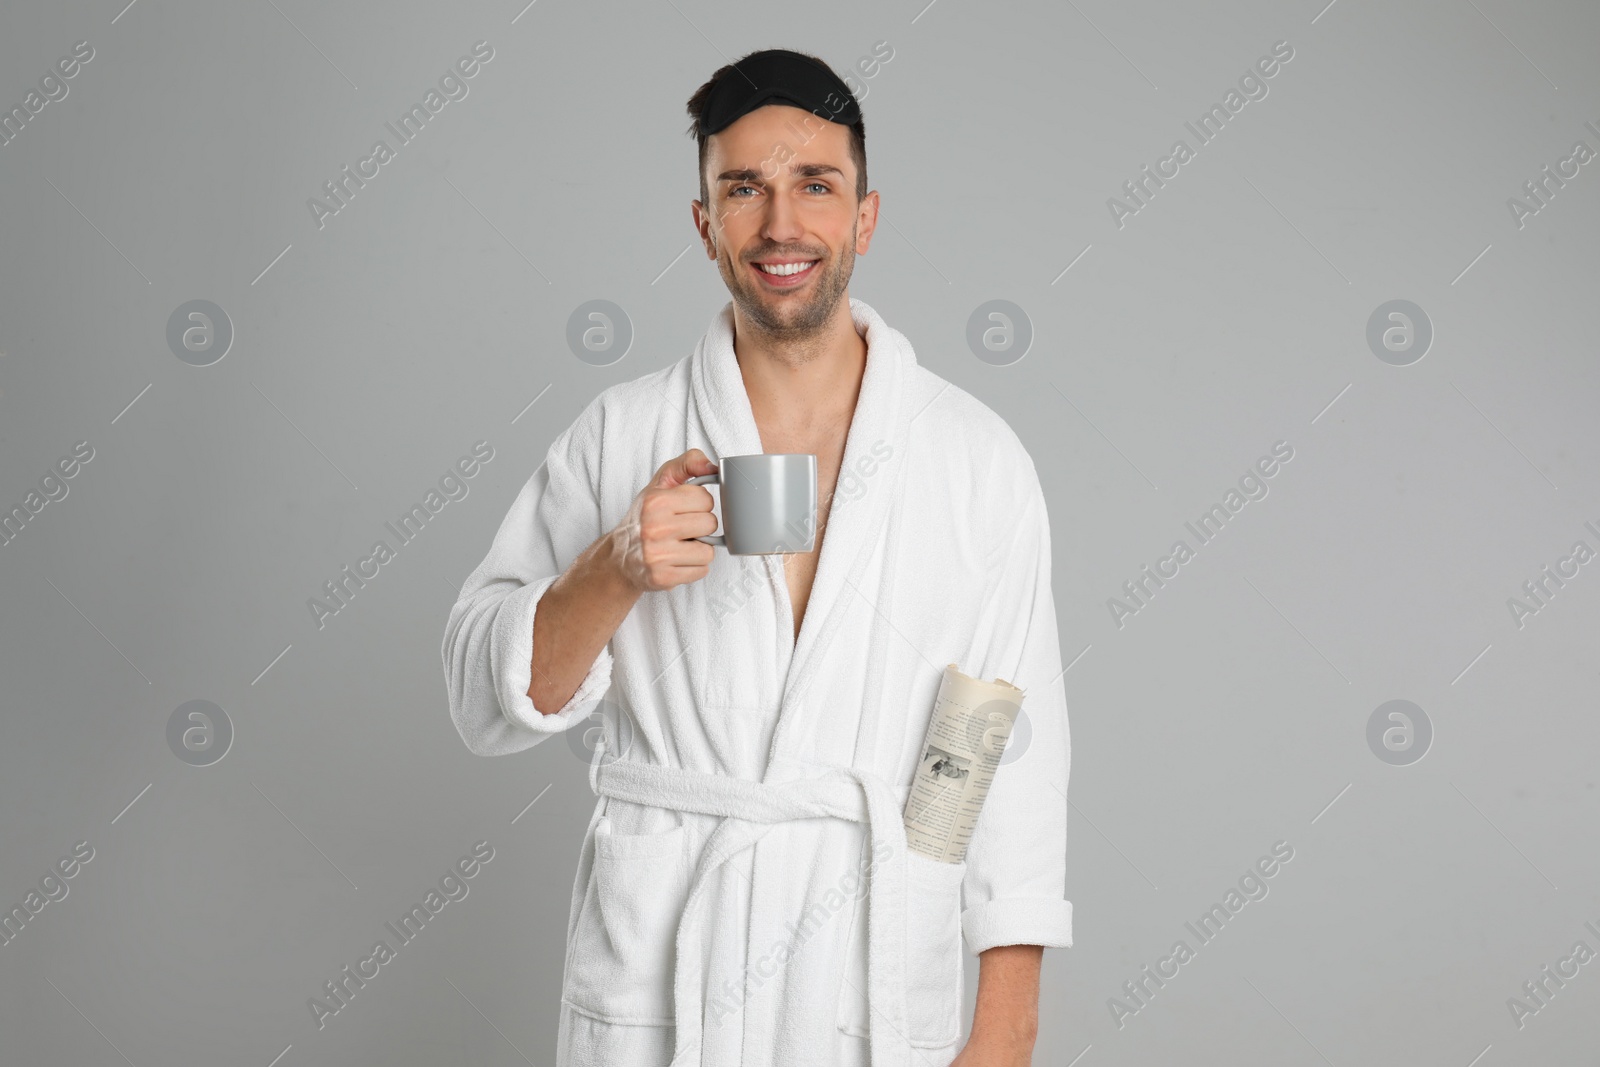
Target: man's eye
x=740, y=188
x=817, y=185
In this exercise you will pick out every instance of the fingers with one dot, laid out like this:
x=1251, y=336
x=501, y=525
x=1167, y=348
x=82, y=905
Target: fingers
x=670, y=562
x=665, y=519
x=660, y=549
x=698, y=463
x=680, y=469
x=679, y=512
x=678, y=555
x=661, y=519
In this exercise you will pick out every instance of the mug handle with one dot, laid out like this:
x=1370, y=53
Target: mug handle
x=706, y=479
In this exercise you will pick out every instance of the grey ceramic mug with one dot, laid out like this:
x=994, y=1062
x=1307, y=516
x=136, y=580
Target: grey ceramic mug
x=769, y=503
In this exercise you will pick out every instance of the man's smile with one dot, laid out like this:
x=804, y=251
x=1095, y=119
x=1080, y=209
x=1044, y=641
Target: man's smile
x=784, y=273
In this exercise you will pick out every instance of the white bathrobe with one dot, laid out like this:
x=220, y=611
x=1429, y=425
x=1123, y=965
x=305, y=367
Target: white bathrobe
x=744, y=895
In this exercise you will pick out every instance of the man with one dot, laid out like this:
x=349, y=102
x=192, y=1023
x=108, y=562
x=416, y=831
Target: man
x=744, y=893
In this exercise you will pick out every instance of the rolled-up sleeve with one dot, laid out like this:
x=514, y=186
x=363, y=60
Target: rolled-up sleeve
x=488, y=641
x=1014, y=890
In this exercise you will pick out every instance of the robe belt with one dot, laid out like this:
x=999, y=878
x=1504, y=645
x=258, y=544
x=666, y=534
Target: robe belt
x=749, y=809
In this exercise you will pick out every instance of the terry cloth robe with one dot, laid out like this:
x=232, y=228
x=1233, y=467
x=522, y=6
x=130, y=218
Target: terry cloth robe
x=744, y=894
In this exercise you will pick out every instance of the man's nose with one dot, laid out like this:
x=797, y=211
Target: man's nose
x=782, y=221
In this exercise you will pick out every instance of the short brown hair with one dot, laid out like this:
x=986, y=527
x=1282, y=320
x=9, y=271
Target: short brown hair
x=697, y=104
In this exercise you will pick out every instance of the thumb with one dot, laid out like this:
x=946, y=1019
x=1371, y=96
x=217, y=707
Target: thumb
x=680, y=469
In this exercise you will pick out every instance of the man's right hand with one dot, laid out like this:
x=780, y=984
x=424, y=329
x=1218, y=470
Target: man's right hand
x=655, y=546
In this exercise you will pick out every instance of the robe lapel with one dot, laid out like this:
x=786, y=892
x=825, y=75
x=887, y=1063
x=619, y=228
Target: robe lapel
x=854, y=526
x=881, y=419
x=719, y=396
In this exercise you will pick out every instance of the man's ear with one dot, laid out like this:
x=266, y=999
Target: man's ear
x=696, y=211
x=866, y=222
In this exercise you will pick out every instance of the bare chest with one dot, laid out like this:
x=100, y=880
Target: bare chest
x=800, y=568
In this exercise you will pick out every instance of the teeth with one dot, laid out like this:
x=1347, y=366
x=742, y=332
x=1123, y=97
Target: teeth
x=783, y=268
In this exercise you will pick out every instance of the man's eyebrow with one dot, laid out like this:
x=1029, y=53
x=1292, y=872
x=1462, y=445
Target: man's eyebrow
x=800, y=170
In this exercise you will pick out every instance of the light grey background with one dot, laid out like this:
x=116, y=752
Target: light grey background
x=369, y=355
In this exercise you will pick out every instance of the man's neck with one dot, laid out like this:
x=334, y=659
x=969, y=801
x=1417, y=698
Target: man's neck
x=802, y=389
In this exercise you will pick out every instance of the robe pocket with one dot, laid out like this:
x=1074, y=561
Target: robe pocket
x=625, y=942
x=934, y=975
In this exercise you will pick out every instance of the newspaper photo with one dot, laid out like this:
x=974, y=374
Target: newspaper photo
x=966, y=737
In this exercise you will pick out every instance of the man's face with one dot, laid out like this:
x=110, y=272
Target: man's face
x=782, y=189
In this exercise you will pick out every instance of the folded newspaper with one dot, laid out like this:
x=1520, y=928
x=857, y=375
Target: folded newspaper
x=966, y=737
